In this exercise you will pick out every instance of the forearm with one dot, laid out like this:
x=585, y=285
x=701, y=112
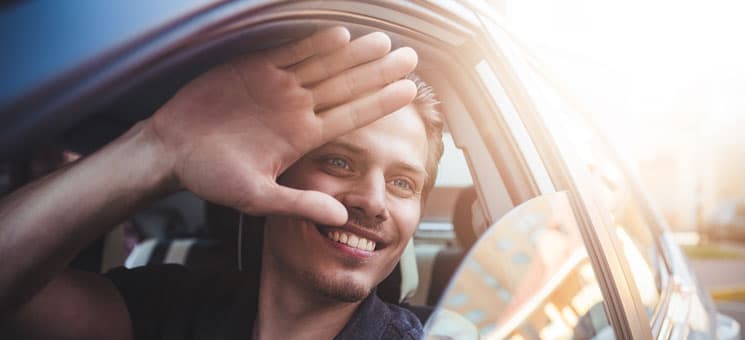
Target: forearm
x=43, y=225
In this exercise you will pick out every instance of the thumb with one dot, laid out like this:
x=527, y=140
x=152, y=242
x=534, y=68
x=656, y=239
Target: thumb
x=313, y=205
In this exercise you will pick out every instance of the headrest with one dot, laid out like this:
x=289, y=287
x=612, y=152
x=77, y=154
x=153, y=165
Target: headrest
x=468, y=219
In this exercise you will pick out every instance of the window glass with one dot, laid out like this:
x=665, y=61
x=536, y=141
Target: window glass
x=528, y=277
x=611, y=186
x=631, y=227
x=612, y=189
x=613, y=193
x=453, y=176
x=453, y=170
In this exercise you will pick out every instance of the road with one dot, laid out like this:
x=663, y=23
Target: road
x=724, y=277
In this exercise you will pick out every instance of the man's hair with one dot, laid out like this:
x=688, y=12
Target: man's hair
x=426, y=104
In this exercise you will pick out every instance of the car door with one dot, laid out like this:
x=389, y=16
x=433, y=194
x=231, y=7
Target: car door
x=636, y=234
x=670, y=296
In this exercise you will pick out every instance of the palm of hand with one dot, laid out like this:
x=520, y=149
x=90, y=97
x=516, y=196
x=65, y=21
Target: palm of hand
x=231, y=132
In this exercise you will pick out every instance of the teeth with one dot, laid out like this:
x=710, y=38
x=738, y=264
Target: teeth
x=352, y=240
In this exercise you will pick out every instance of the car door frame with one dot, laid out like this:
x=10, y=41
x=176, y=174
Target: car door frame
x=625, y=309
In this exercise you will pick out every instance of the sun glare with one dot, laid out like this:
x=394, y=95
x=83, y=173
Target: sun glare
x=664, y=79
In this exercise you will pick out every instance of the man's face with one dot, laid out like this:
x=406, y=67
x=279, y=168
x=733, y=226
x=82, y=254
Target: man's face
x=378, y=173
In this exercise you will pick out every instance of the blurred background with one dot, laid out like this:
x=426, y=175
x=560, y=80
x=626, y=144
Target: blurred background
x=666, y=81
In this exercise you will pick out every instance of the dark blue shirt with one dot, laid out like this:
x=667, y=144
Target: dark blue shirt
x=172, y=302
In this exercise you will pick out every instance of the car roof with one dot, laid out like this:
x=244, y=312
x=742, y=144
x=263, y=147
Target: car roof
x=71, y=70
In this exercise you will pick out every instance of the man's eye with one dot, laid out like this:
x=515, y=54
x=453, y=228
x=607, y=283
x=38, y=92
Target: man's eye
x=403, y=184
x=338, y=163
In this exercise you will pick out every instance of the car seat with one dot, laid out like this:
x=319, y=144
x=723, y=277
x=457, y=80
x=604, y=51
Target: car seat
x=438, y=265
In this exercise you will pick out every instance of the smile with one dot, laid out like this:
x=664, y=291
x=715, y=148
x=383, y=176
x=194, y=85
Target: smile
x=351, y=240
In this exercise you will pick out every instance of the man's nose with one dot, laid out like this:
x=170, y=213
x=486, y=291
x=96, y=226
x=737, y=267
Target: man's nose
x=367, y=197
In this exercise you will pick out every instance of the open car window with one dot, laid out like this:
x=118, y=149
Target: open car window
x=528, y=277
x=605, y=178
x=612, y=191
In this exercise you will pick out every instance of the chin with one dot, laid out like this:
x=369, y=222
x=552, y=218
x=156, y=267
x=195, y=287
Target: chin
x=342, y=289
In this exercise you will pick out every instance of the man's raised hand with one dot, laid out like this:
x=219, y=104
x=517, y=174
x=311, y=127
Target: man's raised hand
x=229, y=133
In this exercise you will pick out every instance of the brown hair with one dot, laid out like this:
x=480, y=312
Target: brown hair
x=426, y=104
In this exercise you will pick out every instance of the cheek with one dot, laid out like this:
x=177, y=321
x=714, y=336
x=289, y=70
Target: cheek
x=406, y=215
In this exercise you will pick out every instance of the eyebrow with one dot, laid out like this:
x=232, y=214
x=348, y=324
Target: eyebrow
x=354, y=148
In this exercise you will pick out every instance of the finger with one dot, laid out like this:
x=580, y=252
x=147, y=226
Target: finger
x=359, y=51
x=365, y=110
x=320, y=42
x=313, y=205
x=364, y=78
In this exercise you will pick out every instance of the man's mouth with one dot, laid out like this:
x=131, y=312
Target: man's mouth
x=352, y=237
x=351, y=240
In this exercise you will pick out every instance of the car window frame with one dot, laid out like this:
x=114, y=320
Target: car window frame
x=609, y=289
x=622, y=300
x=650, y=215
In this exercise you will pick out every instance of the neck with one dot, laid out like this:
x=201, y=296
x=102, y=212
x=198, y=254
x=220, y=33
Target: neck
x=289, y=309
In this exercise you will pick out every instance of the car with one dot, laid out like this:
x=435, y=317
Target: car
x=536, y=228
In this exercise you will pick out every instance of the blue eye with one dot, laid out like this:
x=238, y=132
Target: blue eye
x=338, y=162
x=403, y=184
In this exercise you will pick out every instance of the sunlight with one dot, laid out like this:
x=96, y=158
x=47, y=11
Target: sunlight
x=643, y=276
x=664, y=79
x=646, y=69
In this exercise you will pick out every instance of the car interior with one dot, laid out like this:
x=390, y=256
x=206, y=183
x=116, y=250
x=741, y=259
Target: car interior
x=481, y=177
x=184, y=229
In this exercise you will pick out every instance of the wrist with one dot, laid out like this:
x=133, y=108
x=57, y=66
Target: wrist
x=146, y=152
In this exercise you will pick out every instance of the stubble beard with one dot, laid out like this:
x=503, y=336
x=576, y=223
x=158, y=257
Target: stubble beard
x=336, y=287
x=339, y=289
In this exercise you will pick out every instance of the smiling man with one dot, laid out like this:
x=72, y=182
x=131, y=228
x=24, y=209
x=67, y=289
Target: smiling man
x=380, y=173
x=294, y=134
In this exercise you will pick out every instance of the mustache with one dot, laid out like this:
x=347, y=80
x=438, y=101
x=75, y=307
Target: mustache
x=359, y=219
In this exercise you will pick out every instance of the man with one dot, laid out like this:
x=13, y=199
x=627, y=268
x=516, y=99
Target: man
x=227, y=136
